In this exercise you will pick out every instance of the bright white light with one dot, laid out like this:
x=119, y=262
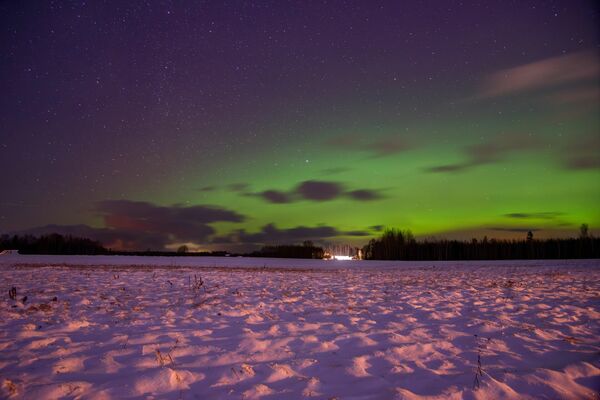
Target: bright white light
x=342, y=258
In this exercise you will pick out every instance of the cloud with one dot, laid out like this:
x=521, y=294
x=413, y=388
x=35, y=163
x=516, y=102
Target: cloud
x=178, y=223
x=548, y=73
x=449, y=168
x=379, y=147
x=357, y=233
x=135, y=225
x=318, y=191
x=148, y=213
x=275, y=196
x=491, y=151
x=232, y=187
x=270, y=234
x=364, y=195
x=537, y=215
x=138, y=225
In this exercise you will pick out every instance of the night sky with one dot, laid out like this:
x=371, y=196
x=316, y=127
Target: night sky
x=229, y=125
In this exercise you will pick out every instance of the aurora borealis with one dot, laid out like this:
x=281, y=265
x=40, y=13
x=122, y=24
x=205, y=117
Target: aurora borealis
x=229, y=125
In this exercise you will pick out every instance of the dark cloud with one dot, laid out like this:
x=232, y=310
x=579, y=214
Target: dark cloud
x=138, y=225
x=538, y=215
x=448, y=168
x=233, y=187
x=271, y=234
x=276, y=196
x=149, y=213
x=319, y=190
x=489, y=152
x=133, y=225
x=178, y=223
x=314, y=190
x=364, y=195
x=356, y=233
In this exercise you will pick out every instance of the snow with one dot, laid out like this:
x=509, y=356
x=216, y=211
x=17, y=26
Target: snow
x=250, y=328
x=258, y=262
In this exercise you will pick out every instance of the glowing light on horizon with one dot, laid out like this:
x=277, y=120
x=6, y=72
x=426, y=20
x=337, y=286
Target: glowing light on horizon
x=343, y=258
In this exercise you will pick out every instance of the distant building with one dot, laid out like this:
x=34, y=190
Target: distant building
x=9, y=252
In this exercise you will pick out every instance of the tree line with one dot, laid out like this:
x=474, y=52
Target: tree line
x=70, y=245
x=51, y=244
x=395, y=244
x=306, y=250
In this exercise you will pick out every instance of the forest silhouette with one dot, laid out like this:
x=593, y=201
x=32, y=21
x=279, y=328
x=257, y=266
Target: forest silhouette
x=393, y=244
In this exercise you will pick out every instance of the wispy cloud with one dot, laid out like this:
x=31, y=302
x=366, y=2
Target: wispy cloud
x=575, y=95
x=548, y=73
x=535, y=215
x=238, y=187
x=364, y=195
x=490, y=151
x=582, y=154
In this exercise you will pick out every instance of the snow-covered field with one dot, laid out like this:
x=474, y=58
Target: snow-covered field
x=134, y=327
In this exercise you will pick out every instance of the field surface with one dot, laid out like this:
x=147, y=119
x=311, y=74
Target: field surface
x=200, y=328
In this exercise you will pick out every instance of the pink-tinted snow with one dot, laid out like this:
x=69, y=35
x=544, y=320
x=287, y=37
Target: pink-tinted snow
x=298, y=329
